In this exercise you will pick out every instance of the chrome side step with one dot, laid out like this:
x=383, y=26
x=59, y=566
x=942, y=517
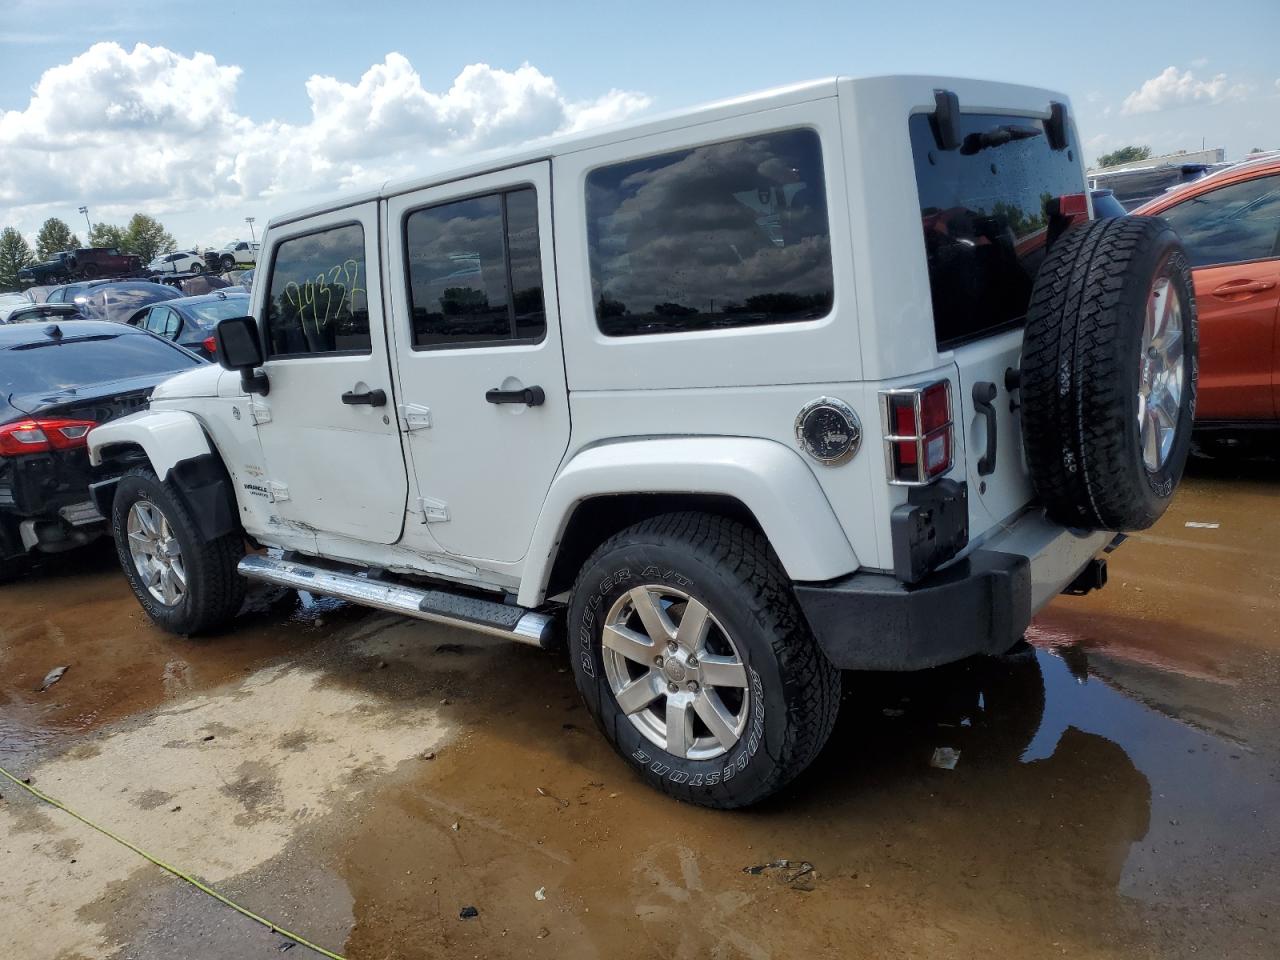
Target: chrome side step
x=438, y=606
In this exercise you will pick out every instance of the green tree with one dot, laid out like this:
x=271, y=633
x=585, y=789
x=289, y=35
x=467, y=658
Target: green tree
x=54, y=237
x=147, y=237
x=106, y=235
x=15, y=253
x=1124, y=155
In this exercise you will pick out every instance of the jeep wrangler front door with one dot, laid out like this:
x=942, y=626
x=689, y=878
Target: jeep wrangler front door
x=328, y=433
x=480, y=368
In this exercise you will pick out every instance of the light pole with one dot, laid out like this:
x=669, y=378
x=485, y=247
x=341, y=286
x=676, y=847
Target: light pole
x=249, y=221
x=85, y=211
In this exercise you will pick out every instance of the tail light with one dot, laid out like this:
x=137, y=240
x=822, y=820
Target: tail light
x=41, y=436
x=919, y=441
x=211, y=346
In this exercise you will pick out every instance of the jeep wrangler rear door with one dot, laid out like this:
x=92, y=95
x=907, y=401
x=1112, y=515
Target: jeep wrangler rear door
x=329, y=439
x=483, y=400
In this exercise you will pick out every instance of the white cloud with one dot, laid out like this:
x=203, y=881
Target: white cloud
x=155, y=129
x=1170, y=88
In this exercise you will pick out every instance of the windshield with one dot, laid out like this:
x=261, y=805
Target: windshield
x=208, y=314
x=983, y=210
x=56, y=366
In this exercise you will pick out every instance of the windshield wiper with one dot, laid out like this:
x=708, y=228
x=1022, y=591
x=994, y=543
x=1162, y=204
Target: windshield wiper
x=996, y=137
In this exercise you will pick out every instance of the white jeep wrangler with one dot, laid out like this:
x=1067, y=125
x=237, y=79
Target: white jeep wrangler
x=840, y=376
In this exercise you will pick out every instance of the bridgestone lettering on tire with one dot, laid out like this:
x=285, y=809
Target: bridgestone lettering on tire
x=728, y=626
x=212, y=590
x=1087, y=381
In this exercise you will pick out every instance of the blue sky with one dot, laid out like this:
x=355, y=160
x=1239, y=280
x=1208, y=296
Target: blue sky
x=196, y=143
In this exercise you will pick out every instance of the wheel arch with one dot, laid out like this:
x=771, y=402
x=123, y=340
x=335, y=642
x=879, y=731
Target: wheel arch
x=610, y=486
x=174, y=445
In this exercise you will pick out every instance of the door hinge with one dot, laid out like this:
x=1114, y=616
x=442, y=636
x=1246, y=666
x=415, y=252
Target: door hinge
x=259, y=413
x=279, y=491
x=415, y=416
x=433, y=511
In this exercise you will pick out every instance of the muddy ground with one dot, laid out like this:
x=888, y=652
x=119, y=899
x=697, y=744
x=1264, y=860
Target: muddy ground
x=360, y=779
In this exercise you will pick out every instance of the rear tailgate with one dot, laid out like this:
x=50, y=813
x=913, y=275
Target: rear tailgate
x=989, y=212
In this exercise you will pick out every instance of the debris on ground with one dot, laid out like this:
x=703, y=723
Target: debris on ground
x=455, y=827
x=207, y=738
x=50, y=678
x=550, y=796
x=1202, y=524
x=540, y=893
x=429, y=755
x=798, y=874
x=543, y=933
x=467, y=913
x=287, y=945
x=945, y=758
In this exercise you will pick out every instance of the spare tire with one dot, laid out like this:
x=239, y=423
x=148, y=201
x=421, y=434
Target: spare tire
x=1108, y=383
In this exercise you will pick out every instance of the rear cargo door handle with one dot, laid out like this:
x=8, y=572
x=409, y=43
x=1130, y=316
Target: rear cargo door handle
x=1234, y=287
x=984, y=391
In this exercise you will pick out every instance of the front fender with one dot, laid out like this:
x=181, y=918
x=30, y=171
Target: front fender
x=768, y=478
x=166, y=436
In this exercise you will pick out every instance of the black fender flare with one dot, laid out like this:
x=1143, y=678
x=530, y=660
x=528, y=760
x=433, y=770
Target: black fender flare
x=203, y=485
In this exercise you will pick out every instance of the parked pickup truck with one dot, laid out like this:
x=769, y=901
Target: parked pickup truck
x=840, y=376
x=237, y=253
x=85, y=264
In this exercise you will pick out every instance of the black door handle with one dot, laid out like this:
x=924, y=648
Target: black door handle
x=984, y=391
x=369, y=398
x=529, y=396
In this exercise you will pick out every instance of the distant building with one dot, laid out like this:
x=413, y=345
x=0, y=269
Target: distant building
x=1138, y=181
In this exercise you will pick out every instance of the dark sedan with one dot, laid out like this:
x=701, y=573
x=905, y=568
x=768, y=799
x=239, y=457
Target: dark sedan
x=190, y=321
x=118, y=300
x=57, y=382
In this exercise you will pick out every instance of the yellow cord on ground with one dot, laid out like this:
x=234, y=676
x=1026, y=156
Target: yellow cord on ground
x=274, y=928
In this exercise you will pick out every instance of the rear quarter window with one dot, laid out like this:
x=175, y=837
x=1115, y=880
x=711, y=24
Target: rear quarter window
x=728, y=234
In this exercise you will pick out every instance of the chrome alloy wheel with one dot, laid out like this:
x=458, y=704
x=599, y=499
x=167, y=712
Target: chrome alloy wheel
x=675, y=672
x=1162, y=374
x=156, y=554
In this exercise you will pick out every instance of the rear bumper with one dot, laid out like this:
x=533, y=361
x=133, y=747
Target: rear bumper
x=982, y=603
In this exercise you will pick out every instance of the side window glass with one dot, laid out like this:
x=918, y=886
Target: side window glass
x=171, y=323
x=318, y=298
x=1235, y=223
x=474, y=269
x=724, y=235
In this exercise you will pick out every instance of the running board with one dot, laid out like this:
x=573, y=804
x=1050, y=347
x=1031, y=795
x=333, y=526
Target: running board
x=438, y=606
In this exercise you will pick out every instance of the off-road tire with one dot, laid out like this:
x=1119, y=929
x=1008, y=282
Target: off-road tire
x=1080, y=373
x=794, y=690
x=228, y=262
x=214, y=592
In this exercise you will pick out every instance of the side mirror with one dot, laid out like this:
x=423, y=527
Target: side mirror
x=239, y=348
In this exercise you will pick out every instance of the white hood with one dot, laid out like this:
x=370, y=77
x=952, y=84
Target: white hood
x=200, y=382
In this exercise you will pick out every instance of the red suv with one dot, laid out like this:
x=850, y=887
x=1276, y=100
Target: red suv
x=1230, y=225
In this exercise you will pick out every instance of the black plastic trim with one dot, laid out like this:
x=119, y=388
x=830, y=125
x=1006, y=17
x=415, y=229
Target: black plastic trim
x=945, y=119
x=205, y=488
x=1055, y=128
x=871, y=621
x=929, y=529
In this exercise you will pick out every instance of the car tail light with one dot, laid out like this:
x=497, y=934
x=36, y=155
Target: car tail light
x=41, y=436
x=1073, y=205
x=211, y=346
x=918, y=439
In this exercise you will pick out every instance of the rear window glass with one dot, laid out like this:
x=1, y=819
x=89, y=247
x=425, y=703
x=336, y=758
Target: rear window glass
x=55, y=366
x=982, y=207
x=725, y=235
x=210, y=313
